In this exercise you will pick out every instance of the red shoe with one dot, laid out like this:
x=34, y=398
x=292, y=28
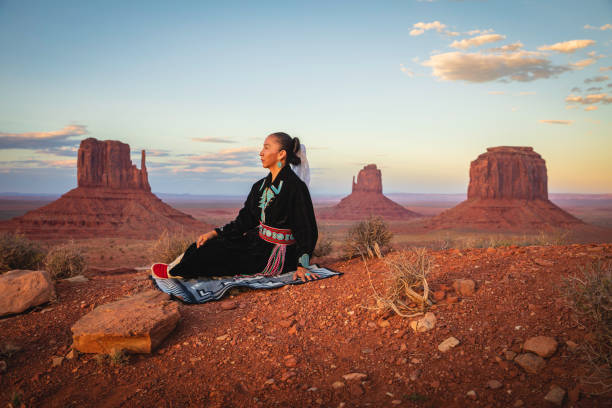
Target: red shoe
x=160, y=271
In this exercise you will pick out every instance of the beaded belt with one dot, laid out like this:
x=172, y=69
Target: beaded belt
x=276, y=235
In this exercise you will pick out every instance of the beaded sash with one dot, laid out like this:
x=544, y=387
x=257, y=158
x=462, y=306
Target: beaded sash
x=281, y=238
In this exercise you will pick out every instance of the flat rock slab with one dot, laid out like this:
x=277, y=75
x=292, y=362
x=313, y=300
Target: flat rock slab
x=543, y=346
x=22, y=289
x=137, y=324
x=532, y=363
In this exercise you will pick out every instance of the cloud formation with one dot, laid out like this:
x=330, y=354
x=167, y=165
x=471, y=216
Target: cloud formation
x=520, y=66
x=589, y=99
x=602, y=28
x=591, y=108
x=557, y=122
x=420, y=27
x=567, y=47
x=601, y=78
x=212, y=140
x=584, y=63
x=508, y=47
x=42, y=140
x=604, y=69
x=476, y=41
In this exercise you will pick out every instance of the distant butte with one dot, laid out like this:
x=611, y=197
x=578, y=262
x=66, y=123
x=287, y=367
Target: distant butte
x=113, y=198
x=365, y=200
x=508, y=190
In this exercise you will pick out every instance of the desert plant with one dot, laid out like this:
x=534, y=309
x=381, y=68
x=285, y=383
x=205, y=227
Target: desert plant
x=18, y=252
x=169, y=246
x=406, y=289
x=324, y=245
x=64, y=261
x=367, y=238
x=118, y=357
x=590, y=297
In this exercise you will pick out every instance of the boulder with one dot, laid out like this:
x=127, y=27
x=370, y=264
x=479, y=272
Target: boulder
x=137, y=324
x=543, y=346
x=23, y=289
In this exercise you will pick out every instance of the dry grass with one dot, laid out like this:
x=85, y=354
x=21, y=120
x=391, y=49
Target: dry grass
x=324, y=245
x=169, y=246
x=590, y=297
x=65, y=261
x=367, y=238
x=406, y=289
x=18, y=252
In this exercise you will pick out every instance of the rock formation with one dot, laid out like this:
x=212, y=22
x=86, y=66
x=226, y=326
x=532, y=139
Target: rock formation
x=113, y=198
x=508, y=190
x=365, y=200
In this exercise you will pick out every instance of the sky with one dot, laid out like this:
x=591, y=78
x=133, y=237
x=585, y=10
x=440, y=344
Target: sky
x=420, y=88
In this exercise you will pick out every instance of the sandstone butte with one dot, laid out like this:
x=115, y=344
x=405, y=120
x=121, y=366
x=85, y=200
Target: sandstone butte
x=508, y=190
x=366, y=199
x=112, y=198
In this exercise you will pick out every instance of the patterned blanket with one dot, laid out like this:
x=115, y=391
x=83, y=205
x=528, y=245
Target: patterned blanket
x=206, y=289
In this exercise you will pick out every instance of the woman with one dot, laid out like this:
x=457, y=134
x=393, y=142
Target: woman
x=274, y=232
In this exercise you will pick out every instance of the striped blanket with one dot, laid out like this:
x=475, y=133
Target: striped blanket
x=206, y=289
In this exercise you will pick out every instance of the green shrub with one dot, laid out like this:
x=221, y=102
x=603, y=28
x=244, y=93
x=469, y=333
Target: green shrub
x=169, y=246
x=367, y=238
x=18, y=252
x=590, y=297
x=64, y=261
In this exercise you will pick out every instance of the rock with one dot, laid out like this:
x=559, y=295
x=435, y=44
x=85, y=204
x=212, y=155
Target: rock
x=366, y=199
x=287, y=375
x=508, y=190
x=77, y=279
x=464, y=287
x=229, y=304
x=336, y=385
x=22, y=289
x=57, y=361
x=541, y=345
x=290, y=361
x=518, y=403
x=223, y=337
x=451, y=299
x=396, y=402
x=286, y=323
x=438, y=295
x=136, y=324
x=355, y=376
x=543, y=262
x=9, y=348
x=574, y=394
x=494, y=384
x=491, y=250
x=2, y=366
x=355, y=389
x=292, y=330
x=424, y=324
x=71, y=354
x=414, y=375
x=571, y=346
x=510, y=355
x=112, y=198
x=448, y=344
x=530, y=362
x=555, y=395
x=383, y=323
x=472, y=395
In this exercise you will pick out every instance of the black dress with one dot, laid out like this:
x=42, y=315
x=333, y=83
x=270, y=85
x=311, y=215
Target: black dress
x=242, y=246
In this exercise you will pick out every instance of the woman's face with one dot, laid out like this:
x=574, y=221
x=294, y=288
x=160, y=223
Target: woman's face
x=271, y=154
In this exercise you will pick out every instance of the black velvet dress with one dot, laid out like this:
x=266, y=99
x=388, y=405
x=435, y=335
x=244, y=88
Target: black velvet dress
x=239, y=248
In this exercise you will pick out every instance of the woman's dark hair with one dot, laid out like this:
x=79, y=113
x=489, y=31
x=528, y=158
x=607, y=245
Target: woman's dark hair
x=289, y=144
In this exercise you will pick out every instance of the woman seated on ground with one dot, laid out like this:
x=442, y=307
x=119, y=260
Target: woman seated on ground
x=274, y=231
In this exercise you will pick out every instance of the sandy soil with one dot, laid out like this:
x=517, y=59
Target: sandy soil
x=238, y=357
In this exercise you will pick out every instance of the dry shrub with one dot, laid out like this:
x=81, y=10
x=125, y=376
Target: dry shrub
x=590, y=297
x=324, y=245
x=18, y=252
x=64, y=261
x=406, y=290
x=367, y=238
x=169, y=246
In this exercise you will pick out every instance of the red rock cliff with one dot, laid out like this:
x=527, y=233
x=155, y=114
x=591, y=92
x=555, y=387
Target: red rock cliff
x=508, y=172
x=107, y=163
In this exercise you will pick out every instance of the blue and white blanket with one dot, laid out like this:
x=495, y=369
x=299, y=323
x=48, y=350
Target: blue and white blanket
x=206, y=289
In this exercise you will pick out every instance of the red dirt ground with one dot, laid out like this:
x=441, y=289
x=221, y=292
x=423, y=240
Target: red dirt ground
x=332, y=335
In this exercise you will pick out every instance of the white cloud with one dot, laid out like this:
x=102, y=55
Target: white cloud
x=600, y=78
x=602, y=28
x=476, y=41
x=584, y=63
x=212, y=140
x=589, y=99
x=39, y=140
x=496, y=92
x=478, y=67
x=474, y=32
x=604, y=69
x=567, y=47
x=406, y=71
x=420, y=27
x=590, y=108
x=507, y=48
x=525, y=93
x=571, y=107
x=557, y=122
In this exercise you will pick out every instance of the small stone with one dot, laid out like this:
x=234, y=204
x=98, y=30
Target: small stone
x=519, y=403
x=269, y=381
x=228, y=304
x=555, y=395
x=571, y=346
x=509, y=355
x=424, y=324
x=383, y=323
x=366, y=350
x=574, y=394
x=337, y=385
x=415, y=375
x=57, y=361
x=396, y=402
x=2, y=366
x=292, y=330
x=286, y=323
x=77, y=279
x=464, y=287
x=355, y=376
x=543, y=262
x=530, y=362
x=472, y=395
x=287, y=314
x=287, y=375
x=494, y=384
x=450, y=299
x=312, y=389
x=71, y=354
x=543, y=346
x=438, y=295
x=355, y=389
x=491, y=250
x=290, y=361
x=448, y=344
x=223, y=337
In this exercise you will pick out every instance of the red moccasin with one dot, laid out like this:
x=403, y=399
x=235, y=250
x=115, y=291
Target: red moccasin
x=160, y=271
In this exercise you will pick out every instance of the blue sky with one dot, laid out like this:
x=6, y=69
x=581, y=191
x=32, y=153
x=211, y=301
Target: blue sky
x=420, y=88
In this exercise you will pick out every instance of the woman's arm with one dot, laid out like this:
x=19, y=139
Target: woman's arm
x=304, y=224
x=246, y=218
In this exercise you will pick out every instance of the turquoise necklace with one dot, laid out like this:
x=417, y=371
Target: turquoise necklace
x=266, y=197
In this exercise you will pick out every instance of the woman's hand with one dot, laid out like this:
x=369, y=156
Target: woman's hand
x=304, y=274
x=205, y=237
